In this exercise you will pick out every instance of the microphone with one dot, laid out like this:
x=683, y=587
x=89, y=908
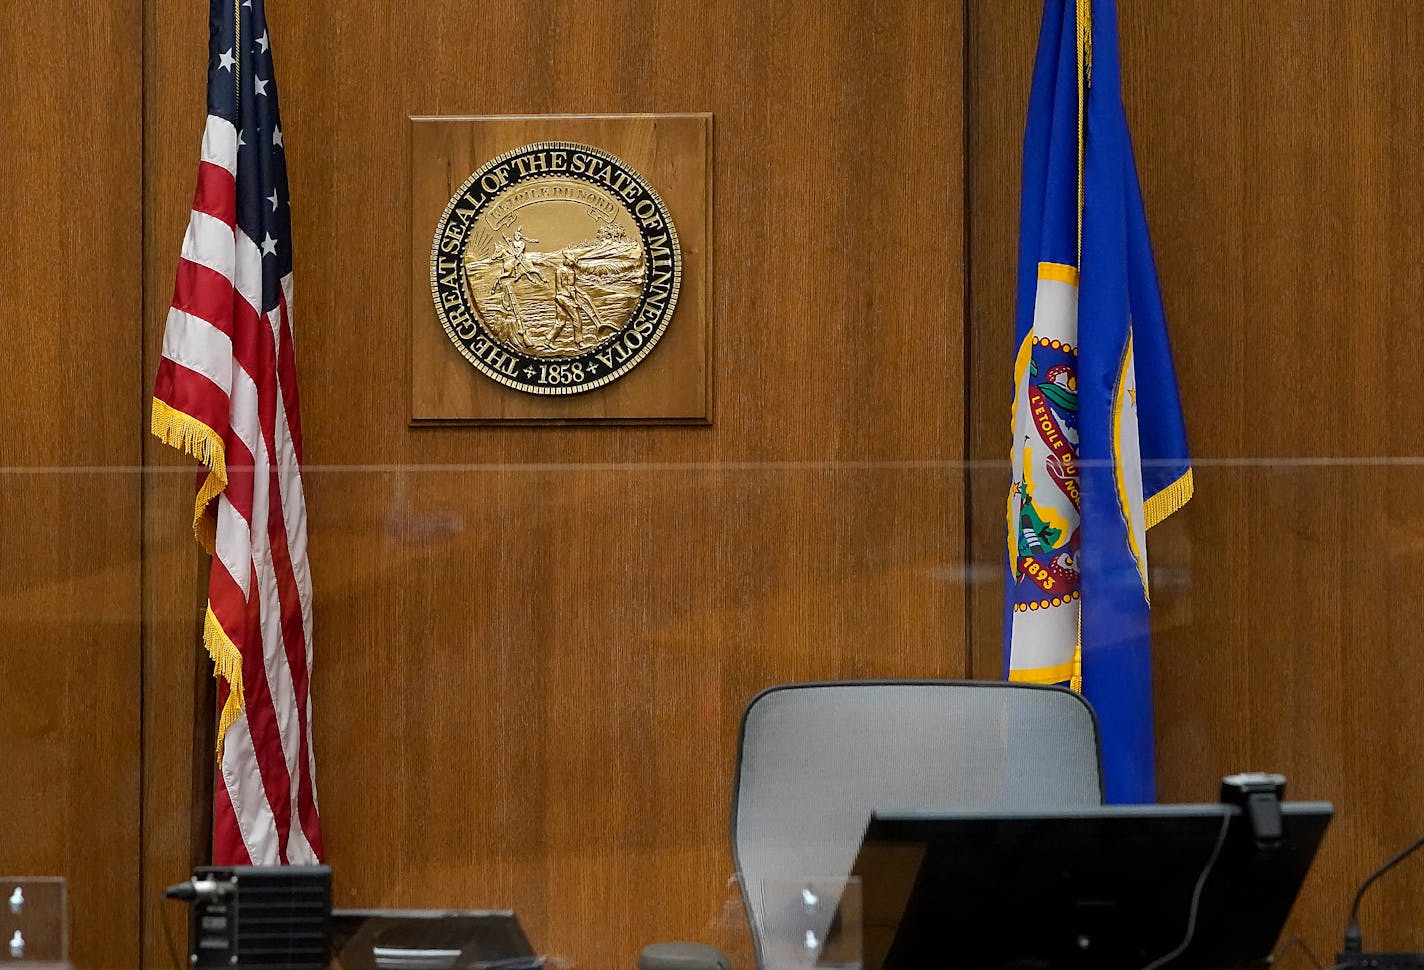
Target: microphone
x=197, y=889
x=1352, y=951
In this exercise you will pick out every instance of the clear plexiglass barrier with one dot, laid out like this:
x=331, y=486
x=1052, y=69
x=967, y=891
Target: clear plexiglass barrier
x=778, y=923
x=807, y=922
x=34, y=922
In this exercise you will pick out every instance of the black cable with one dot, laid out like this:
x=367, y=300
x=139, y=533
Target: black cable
x=1353, y=943
x=1300, y=943
x=1196, y=896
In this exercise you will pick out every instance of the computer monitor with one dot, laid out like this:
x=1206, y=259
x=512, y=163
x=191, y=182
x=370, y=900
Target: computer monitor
x=429, y=939
x=1107, y=888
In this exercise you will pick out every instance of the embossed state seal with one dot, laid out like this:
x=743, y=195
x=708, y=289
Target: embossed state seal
x=555, y=268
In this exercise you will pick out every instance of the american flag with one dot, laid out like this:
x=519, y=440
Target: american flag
x=226, y=393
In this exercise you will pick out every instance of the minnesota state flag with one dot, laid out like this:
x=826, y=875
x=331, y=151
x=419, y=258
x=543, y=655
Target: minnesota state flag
x=1099, y=451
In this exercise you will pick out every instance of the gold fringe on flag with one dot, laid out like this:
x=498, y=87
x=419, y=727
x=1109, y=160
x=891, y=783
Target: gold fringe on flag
x=1084, y=24
x=1154, y=510
x=1075, y=683
x=1168, y=500
x=190, y=436
x=227, y=664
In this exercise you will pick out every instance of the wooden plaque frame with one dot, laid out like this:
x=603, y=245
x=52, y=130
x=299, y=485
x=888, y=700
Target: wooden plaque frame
x=673, y=385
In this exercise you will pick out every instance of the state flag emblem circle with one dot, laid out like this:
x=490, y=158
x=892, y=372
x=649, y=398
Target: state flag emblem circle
x=555, y=268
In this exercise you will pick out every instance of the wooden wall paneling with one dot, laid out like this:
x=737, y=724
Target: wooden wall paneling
x=1313, y=220
x=1286, y=217
x=1194, y=159
x=177, y=736
x=533, y=645
x=1001, y=39
x=69, y=483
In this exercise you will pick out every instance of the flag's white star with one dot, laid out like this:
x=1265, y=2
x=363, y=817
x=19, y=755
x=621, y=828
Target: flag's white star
x=261, y=85
x=269, y=245
x=263, y=42
x=277, y=137
x=226, y=61
x=273, y=199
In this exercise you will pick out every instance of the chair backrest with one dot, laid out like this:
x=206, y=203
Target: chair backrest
x=816, y=759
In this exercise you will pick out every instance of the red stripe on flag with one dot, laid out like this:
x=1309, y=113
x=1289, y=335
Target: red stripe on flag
x=227, y=600
x=240, y=479
x=216, y=194
x=262, y=720
x=293, y=630
x=257, y=353
x=287, y=375
x=291, y=401
x=247, y=328
x=293, y=638
x=306, y=804
x=205, y=293
x=229, y=848
x=193, y=394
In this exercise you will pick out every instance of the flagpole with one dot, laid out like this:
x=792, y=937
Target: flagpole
x=237, y=50
x=204, y=740
x=1084, y=46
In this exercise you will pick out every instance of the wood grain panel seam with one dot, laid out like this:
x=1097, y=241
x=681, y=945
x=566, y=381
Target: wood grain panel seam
x=144, y=63
x=967, y=506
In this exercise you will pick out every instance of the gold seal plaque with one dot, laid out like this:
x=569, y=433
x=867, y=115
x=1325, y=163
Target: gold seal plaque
x=555, y=268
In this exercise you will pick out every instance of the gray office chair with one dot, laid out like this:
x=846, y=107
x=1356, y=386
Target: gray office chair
x=816, y=759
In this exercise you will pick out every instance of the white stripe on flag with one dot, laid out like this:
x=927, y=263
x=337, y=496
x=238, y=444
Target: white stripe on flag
x=299, y=850
x=287, y=294
x=243, y=779
x=199, y=346
x=294, y=509
x=274, y=655
x=209, y=242
x=248, y=278
x=220, y=143
x=233, y=546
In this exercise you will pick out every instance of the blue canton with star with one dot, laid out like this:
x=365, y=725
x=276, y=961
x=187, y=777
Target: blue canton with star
x=242, y=89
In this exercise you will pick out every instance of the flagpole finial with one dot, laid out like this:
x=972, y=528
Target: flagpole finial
x=1085, y=41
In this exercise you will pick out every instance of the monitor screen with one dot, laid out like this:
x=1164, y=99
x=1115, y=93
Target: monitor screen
x=1106, y=888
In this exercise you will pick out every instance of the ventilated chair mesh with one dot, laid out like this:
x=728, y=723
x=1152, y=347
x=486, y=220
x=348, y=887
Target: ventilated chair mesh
x=816, y=760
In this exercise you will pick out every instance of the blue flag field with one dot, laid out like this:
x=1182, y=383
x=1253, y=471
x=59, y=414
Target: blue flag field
x=1099, y=450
